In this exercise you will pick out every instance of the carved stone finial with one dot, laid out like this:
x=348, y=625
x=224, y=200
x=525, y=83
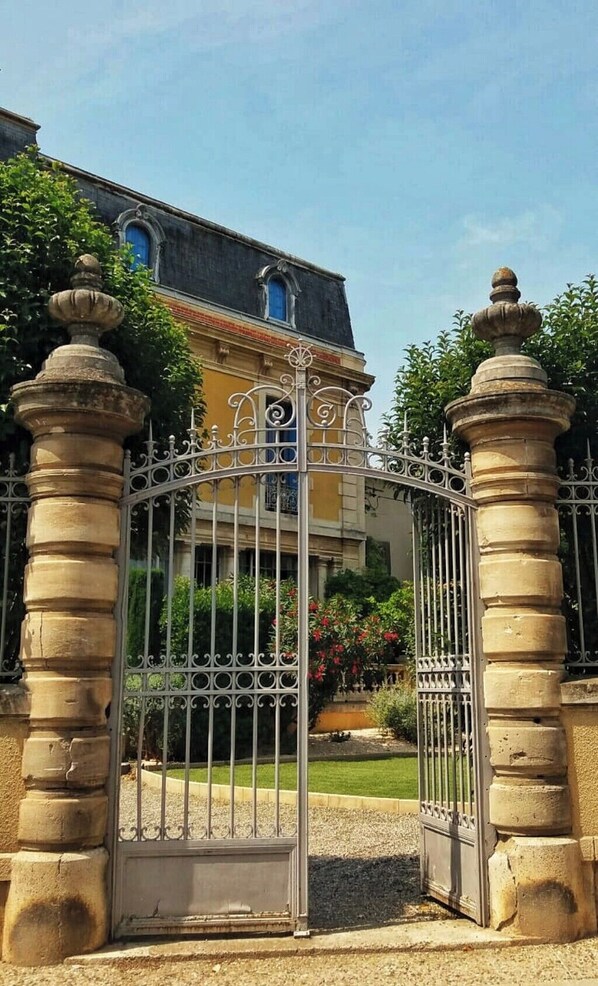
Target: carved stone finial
x=87, y=272
x=504, y=286
x=87, y=313
x=506, y=323
x=85, y=310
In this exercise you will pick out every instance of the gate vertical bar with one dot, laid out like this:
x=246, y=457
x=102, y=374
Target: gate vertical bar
x=303, y=662
x=118, y=670
x=481, y=760
x=423, y=708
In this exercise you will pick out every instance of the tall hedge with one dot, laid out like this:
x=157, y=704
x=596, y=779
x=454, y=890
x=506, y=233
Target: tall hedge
x=136, y=616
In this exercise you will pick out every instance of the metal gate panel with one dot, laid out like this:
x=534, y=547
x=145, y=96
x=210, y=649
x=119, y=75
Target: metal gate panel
x=172, y=887
x=194, y=688
x=453, y=758
x=206, y=684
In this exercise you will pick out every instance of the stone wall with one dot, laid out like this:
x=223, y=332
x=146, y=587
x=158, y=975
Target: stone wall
x=580, y=719
x=14, y=715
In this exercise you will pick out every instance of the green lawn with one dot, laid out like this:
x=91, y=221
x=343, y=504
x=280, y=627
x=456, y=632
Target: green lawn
x=394, y=777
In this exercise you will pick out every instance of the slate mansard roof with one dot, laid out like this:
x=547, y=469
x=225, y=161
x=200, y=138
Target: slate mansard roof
x=206, y=261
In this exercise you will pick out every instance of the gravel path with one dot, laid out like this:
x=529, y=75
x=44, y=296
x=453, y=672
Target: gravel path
x=516, y=966
x=360, y=742
x=364, y=865
x=364, y=873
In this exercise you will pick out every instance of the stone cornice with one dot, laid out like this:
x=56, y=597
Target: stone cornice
x=259, y=340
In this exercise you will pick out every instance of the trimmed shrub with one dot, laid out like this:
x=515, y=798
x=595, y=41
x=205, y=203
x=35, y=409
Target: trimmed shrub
x=398, y=613
x=136, y=612
x=394, y=708
x=202, y=617
x=197, y=714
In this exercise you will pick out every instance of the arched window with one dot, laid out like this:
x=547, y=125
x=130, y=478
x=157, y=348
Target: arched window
x=140, y=240
x=279, y=291
x=277, y=299
x=281, y=435
x=141, y=230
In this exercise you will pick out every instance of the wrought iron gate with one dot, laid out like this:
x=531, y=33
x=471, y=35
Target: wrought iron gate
x=453, y=759
x=208, y=678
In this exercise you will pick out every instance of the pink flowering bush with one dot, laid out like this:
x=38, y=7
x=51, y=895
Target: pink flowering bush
x=345, y=649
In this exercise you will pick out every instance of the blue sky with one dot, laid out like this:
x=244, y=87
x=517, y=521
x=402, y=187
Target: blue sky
x=412, y=145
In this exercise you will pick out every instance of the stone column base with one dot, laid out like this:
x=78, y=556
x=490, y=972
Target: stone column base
x=537, y=889
x=57, y=906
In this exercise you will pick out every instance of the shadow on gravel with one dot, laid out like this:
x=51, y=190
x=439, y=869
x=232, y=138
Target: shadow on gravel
x=368, y=892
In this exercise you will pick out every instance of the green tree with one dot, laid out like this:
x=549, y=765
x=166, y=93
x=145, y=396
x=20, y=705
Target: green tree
x=44, y=225
x=139, y=613
x=567, y=348
x=365, y=588
x=435, y=373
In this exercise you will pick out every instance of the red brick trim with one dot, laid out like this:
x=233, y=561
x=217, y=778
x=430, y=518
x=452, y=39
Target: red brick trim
x=208, y=320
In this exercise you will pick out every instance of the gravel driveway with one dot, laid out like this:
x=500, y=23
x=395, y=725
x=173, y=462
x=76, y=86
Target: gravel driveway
x=364, y=872
x=514, y=966
x=364, y=865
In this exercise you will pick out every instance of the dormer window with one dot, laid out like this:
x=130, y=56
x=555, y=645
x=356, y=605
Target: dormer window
x=140, y=241
x=143, y=233
x=277, y=299
x=279, y=290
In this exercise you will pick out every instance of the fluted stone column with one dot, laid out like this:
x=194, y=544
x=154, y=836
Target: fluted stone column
x=510, y=420
x=79, y=411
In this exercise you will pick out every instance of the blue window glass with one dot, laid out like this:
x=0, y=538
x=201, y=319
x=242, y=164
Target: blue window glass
x=139, y=239
x=277, y=299
x=281, y=431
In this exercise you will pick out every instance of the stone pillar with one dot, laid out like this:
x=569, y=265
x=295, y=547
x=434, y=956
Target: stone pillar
x=510, y=420
x=79, y=411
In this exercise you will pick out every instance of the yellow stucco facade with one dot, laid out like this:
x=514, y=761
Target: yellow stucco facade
x=238, y=352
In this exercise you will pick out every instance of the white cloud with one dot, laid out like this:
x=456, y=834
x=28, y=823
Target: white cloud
x=128, y=50
x=213, y=23
x=534, y=228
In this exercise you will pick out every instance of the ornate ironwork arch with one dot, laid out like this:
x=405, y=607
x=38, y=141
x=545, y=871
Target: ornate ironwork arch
x=331, y=435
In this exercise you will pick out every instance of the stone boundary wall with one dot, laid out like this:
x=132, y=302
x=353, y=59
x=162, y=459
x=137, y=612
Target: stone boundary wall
x=14, y=725
x=340, y=716
x=580, y=719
